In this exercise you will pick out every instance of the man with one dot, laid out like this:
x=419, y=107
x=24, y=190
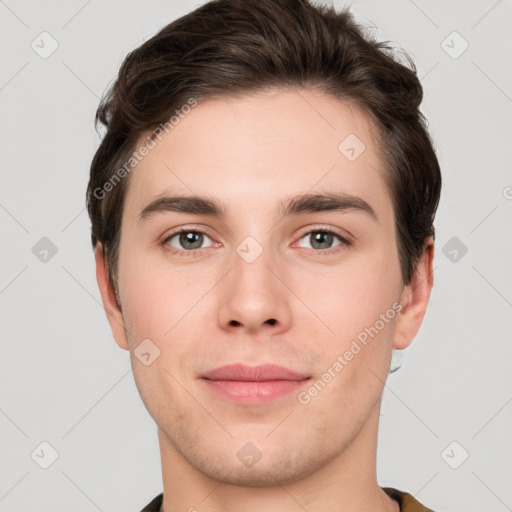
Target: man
x=262, y=210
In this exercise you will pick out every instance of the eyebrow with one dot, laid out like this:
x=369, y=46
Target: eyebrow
x=298, y=205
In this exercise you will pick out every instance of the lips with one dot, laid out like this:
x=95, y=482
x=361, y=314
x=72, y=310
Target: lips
x=253, y=385
x=261, y=373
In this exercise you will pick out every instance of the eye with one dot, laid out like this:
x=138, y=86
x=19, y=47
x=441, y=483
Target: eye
x=321, y=240
x=190, y=242
x=186, y=240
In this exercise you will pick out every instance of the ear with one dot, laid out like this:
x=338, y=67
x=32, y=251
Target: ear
x=414, y=299
x=108, y=296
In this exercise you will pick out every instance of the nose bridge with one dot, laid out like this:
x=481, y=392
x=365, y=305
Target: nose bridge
x=252, y=279
x=253, y=295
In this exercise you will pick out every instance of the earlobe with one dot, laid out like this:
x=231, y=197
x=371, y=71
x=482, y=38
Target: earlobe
x=414, y=299
x=109, y=299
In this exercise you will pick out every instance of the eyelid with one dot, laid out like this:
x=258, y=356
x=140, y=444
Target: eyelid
x=188, y=228
x=308, y=230
x=344, y=235
x=345, y=240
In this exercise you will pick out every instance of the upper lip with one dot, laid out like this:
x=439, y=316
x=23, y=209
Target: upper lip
x=264, y=372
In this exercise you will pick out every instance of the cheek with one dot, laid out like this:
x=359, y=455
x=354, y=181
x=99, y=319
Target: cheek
x=352, y=297
x=159, y=300
x=146, y=298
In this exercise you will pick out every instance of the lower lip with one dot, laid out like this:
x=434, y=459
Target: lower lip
x=260, y=392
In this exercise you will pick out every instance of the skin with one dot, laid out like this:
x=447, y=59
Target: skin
x=251, y=152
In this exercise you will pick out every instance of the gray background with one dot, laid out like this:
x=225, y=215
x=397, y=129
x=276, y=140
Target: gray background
x=64, y=381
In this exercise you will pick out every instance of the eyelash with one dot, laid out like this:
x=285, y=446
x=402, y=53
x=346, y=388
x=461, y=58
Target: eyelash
x=344, y=241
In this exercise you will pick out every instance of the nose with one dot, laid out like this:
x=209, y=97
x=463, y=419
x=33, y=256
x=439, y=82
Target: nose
x=255, y=297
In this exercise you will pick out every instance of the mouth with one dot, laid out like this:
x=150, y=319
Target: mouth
x=253, y=384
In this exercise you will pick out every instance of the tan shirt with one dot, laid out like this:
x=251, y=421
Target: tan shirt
x=406, y=501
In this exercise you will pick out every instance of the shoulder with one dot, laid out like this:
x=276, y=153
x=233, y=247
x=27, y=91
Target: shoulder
x=407, y=502
x=154, y=505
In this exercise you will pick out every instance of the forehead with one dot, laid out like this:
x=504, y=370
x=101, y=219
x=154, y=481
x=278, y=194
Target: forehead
x=251, y=151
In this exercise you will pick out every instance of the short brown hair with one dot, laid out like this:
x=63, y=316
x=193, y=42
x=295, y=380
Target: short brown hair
x=227, y=48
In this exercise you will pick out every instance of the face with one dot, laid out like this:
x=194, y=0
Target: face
x=312, y=286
